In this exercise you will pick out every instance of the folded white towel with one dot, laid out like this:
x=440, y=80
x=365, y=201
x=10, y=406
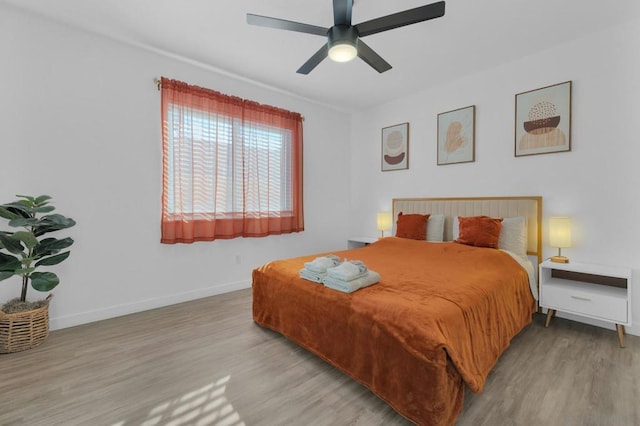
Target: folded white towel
x=370, y=277
x=320, y=264
x=311, y=276
x=348, y=270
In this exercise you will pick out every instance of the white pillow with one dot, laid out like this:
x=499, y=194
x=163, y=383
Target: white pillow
x=435, y=228
x=455, y=230
x=513, y=235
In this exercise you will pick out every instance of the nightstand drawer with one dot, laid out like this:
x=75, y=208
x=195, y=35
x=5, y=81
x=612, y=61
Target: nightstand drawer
x=599, y=304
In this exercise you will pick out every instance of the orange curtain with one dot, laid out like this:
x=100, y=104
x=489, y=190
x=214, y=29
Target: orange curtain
x=231, y=167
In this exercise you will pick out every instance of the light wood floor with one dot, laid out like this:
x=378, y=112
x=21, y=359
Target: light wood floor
x=206, y=363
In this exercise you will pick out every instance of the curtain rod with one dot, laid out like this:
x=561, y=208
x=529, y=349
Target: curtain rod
x=158, y=84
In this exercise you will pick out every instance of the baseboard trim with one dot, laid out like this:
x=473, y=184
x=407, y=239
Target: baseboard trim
x=57, y=323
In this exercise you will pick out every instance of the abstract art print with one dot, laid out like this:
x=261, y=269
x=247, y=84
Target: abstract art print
x=543, y=120
x=457, y=136
x=395, y=147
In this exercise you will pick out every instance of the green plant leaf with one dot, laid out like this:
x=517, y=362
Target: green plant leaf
x=51, y=223
x=25, y=203
x=18, y=209
x=49, y=246
x=23, y=221
x=12, y=245
x=5, y=213
x=27, y=198
x=44, y=281
x=9, y=263
x=27, y=238
x=5, y=233
x=58, y=219
x=41, y=199
x=6, y=274
x=53, y=260
x=43, y=209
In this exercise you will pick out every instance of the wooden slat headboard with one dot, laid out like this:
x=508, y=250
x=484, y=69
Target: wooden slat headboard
x=527, y=206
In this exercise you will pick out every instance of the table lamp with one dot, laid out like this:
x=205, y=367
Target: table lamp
x=560, y=236
x=384, y=222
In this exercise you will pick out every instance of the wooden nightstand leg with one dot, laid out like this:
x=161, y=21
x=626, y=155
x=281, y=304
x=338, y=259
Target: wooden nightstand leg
x=550, y=314
x=620, y=329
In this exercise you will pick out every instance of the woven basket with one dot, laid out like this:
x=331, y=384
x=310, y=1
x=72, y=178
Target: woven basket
x=24, y=330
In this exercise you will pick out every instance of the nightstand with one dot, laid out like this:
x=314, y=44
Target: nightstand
x=357, y=242
x=589, y=290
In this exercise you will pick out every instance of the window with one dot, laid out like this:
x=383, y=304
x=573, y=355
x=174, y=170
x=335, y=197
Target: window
x=231, y=167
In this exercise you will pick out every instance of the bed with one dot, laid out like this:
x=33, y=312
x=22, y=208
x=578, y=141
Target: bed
x=438, y=319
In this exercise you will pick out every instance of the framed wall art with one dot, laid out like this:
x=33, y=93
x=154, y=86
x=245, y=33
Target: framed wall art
x=457, y=136
x=543, y=120
x=395, y=147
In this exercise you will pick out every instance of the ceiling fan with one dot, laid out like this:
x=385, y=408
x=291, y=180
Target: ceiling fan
x=343, y=39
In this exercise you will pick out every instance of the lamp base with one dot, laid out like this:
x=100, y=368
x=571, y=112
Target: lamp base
x=559, y=259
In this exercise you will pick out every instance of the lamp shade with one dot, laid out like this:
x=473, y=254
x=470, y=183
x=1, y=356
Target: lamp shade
x=560, y=232
x=384, y=221
x=342, y=43
x=342, y=52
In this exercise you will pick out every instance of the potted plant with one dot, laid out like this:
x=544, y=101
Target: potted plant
x=23, y=252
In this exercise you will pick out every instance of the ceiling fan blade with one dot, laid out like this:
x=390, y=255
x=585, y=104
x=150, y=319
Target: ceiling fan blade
x=342, y=12
x=282, y=24
x=372, y=58
x=400, y=19
x=313, y=61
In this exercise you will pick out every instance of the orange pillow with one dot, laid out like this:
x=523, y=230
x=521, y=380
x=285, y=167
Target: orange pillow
x=479, y=231
x=412, y=226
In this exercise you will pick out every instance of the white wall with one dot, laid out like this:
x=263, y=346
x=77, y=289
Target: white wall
x=80, y=121
x=596, y=183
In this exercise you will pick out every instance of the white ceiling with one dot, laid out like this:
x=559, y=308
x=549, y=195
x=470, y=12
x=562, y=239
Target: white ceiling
x=473, y=35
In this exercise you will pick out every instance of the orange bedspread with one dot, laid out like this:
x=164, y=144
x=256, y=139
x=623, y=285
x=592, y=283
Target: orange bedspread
x=440, y=316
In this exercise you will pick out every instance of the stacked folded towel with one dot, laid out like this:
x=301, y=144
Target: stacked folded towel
x=321, y=264
x=348, y=270
x=369, y=278
x=317, y=269
x=350, y=276
x=311, y=276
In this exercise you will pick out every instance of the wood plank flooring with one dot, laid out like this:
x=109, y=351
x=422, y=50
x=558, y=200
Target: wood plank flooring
x=206, y=363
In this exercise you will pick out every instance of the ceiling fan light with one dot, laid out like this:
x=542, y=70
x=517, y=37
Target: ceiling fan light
x=342, y=52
